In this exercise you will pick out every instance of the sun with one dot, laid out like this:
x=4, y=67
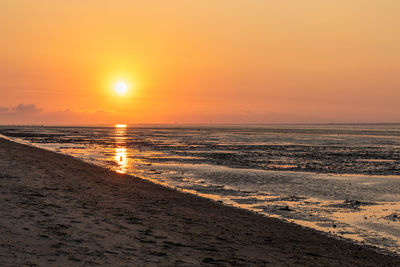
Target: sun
x=121, y=88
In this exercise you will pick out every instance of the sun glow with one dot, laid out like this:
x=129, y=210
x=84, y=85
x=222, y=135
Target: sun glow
x=120, y=125
x=121, y=88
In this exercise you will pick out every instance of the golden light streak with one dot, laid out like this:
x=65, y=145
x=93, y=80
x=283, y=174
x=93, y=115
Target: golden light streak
x=121, y=159
x=121, y=152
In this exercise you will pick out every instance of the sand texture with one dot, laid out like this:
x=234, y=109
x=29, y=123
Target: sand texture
x=59, y=211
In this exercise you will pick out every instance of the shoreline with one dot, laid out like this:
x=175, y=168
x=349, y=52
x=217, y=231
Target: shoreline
x=59, y=209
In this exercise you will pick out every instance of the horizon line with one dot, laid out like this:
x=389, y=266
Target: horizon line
x=196, y=124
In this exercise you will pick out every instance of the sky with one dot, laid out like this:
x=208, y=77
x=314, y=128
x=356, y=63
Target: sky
x=199, y=61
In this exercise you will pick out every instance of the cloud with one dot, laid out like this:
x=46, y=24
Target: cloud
x=19, y=114
x=21, y=108
x=31, y=114
x=105, y=111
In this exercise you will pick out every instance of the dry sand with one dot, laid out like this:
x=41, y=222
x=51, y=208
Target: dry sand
x=57, y=210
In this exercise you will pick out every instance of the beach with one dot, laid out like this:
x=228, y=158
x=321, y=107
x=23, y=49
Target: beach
x=58, y=210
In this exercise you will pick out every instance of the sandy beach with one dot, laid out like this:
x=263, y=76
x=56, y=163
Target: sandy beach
x=59, y=211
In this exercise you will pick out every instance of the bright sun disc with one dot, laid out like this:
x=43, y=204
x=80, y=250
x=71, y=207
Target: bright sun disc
x=120, y=88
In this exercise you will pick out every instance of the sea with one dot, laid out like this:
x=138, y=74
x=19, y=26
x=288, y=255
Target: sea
x=343, y=180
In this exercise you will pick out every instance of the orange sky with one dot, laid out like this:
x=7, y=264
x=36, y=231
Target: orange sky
x=199, y=61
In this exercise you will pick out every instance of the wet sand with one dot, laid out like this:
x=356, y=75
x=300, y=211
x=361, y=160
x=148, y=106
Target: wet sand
x=57, y=210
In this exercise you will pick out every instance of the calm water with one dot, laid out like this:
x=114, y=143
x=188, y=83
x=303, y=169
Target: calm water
x=342, y=179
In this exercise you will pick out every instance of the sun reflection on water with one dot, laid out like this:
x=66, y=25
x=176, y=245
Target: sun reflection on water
x=120, y=151
x=120, y=125
x=121, y=159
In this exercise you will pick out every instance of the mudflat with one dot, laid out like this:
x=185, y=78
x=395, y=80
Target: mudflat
x=57, y=210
